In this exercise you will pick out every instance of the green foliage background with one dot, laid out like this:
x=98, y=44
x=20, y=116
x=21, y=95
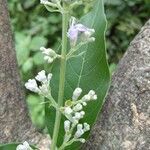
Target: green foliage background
x=34, y=26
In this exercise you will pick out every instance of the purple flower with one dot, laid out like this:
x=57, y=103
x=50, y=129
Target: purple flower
x=76, y=30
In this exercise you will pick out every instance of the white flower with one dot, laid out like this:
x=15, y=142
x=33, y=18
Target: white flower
x=32, y=85
x=77, y=92
x=49, y=77
x=86, y=127
x=82, y=113
x=84, y=103
x=41, y=76
x=77, y=115
x=67, y=125
x=92, y=95
x=82, y=140
x=49, y=54
x=68, y=110
x=79, y=131
x=78, y=107
x=24, y=146
x=86, y=98
x=45, y=2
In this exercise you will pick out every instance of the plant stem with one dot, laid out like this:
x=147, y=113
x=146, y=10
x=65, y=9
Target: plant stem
x=65, y=18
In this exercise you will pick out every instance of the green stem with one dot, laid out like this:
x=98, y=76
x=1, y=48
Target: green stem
x=65, y=16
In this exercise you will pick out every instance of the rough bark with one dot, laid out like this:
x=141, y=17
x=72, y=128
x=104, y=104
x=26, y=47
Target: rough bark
x=15, y=124
x=124, y=123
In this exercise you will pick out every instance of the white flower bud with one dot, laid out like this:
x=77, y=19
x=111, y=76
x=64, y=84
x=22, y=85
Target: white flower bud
x=79, y=131
x=77, y=115
x=24, y=146
x=32, y=85
x=79, y=127
x=68, y=110
x=49, y=77
x=77, y=92
x=41, y=76
x=49, y=54
x=91, y=93
x=86, y=127
x=84, y=103
x=95, y=97
x=48, y=59
x=45, y=2
x=86, y=98
x=78, y=107
x=75, y=121
x=82, y=113
x=67, y=125
x=82, y=140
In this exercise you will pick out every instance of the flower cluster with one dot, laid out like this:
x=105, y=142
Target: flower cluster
x=77, y=31
x=43, y=79
x=49, y=54
x=24, y=146
x=73, y=111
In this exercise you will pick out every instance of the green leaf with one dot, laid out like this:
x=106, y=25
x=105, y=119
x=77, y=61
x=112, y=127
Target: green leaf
x=12, y=146
x=89, y=71
x=37, y=42
x=36, y=110
x=22, y=44
x=38, y=58
x=27, y=66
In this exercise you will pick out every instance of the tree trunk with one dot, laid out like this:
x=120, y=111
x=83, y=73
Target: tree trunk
x=15, y=124
x=124, y=123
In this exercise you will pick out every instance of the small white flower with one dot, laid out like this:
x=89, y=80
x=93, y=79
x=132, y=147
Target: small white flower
x=92, y=95
x=95, y=97
x=68, y=110
x=77, y=115
x=32, y=85
x=77, y=92
x=79, y=131
x=86, y=98
x=78, y=107
x=86, y=127
x=67, y=125
x=24, y=146
x=82, y=113
x=41, y=77
x=74, y=120
x=49, y=54
x=79, y=127
x=48, y=59
x=45, y=2
x=84, y=103
x=82, y=140
x=49, y=77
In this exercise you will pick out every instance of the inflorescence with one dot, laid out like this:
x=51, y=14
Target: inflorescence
x=73, y=110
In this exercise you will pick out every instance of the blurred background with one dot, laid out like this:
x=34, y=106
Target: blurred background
x=33, y=26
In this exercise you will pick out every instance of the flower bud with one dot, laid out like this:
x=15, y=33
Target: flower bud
x=77, y=92
x=67, y=125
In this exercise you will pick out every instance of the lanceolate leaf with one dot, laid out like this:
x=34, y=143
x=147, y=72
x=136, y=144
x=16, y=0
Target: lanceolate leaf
x=89, y=71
